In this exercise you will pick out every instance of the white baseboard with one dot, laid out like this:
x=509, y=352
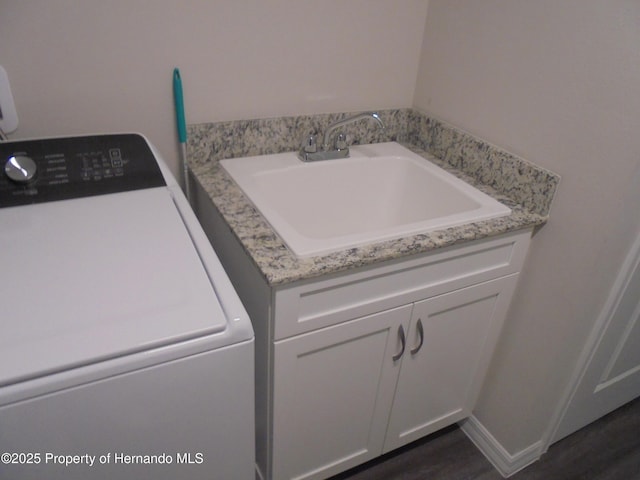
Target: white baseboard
x=506, y=463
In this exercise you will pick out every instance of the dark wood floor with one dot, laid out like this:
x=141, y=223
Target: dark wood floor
x=608, y=449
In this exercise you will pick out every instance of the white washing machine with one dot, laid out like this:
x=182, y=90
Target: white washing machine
x=124, y=350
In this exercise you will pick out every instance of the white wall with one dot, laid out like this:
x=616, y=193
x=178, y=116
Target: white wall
x=82, y=66
x=559, y=84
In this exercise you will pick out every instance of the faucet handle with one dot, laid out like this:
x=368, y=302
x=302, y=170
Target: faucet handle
x=341, y=141
x=310, y=144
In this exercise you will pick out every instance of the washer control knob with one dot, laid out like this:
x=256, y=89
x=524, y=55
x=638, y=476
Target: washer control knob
x=20, y=168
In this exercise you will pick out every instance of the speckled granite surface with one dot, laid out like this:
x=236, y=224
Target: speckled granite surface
x=527, y=184
x=527, y=189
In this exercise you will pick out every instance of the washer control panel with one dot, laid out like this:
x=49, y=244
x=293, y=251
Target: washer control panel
x=46, y=170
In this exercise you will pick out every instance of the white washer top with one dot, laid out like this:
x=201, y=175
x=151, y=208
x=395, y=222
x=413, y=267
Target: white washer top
x=97, y=278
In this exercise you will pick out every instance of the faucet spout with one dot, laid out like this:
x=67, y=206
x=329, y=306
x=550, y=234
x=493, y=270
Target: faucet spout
x=333, y=127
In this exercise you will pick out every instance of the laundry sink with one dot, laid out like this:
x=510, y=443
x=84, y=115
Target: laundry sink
x=382, y=191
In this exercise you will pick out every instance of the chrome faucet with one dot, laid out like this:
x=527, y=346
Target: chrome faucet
x=339, y=149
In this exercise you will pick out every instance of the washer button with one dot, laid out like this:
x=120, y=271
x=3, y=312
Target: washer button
x=20, y=168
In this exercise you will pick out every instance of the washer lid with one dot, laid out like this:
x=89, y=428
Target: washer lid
x=96, y=278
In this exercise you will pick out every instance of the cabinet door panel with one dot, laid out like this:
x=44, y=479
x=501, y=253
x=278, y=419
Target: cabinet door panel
x=439, y=383
x=333, y=389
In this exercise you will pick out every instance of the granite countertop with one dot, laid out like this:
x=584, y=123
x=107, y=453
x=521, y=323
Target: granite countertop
x=523, y=187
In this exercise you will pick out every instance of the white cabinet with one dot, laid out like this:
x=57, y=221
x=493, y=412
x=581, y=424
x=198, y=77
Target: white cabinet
x=329, y=394
x=366, y=362
x=449, y=347
x=333, y=390
x=348, y=393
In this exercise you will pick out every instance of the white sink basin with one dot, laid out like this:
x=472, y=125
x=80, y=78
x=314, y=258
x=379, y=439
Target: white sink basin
x=382, y=191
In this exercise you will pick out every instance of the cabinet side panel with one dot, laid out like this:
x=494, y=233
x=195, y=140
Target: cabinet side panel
x=255, y=295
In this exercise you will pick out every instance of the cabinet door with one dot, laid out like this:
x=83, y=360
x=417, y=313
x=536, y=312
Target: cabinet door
x=332, y=392
x=450, y=343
